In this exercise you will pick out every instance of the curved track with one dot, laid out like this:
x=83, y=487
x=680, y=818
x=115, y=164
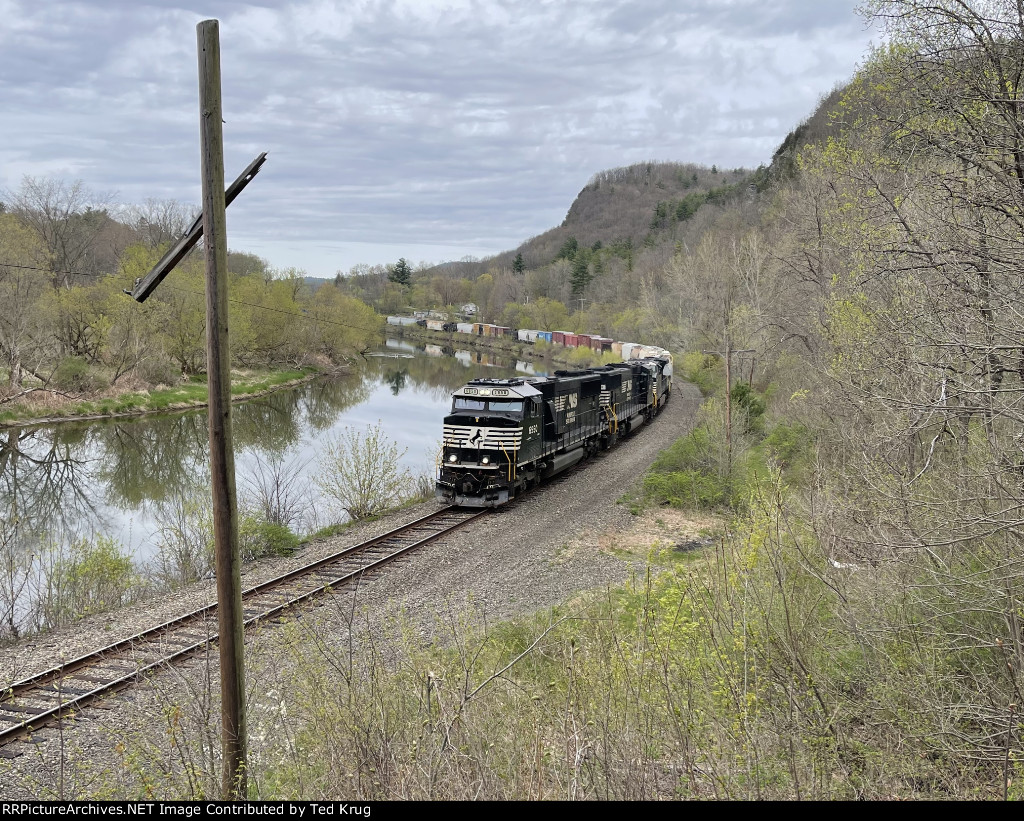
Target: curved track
x=60, y=691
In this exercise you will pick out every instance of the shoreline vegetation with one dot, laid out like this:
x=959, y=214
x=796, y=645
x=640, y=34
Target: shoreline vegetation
x=60, y=407
x=43, y=406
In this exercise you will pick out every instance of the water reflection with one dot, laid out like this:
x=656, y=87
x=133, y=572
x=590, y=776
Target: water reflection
x=44, y=476
x=117, y=477
x=396, y=380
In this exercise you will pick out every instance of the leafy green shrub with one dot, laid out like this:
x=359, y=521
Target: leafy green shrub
x=750, y=406
x=790, y=446
x=692, y=472
x=583, y=357
x=74, y=374
x=701, y=469
x=695, y=450
x=361, y=472
x=688, y=489
x=258, y=538
x=788, y=443
x=88, y=577
x=702, y=370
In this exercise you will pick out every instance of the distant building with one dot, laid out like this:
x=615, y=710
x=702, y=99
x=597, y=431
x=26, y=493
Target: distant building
x=469, y=309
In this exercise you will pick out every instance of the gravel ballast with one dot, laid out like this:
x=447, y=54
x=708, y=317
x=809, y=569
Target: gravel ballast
x=533, y=554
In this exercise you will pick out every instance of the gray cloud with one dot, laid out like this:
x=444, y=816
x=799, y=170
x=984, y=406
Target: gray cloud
x=453, y=125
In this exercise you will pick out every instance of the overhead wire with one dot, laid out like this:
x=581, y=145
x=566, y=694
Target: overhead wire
x=165, y=284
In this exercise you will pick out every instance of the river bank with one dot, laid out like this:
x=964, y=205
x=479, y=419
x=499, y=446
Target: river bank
x=41, y=406
x=44, y=406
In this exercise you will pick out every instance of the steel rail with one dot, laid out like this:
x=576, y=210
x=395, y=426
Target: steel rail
x=33, y=687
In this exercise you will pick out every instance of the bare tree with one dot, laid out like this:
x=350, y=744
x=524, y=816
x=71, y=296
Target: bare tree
x=158, y=222
x=21, y=334
x=277, y=489
x=66, y=217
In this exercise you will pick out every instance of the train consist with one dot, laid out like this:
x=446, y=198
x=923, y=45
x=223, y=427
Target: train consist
x=503, y=436
x=566, y=339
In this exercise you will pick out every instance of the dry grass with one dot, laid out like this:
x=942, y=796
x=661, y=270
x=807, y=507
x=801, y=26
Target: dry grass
x=653, y=533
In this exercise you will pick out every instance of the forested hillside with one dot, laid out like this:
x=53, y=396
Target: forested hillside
x=618, y=235
x=859, y=628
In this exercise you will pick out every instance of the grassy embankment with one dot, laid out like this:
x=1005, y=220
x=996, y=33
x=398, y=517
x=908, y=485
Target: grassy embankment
x=46, y=406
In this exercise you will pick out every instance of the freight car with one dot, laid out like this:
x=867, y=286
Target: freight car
x=406, y=320
x=503, y=436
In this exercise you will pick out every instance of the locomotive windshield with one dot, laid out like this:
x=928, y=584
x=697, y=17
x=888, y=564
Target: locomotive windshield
x=511, y=407
x=462, y=403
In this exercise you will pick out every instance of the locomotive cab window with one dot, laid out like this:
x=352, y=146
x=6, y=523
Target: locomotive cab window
x=508, y=407
x=503, y=405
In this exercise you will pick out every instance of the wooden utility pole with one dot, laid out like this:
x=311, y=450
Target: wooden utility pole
x=222, y=460
x=728, y=398
x=727, y=356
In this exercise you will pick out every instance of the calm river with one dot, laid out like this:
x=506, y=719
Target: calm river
x=124, y=478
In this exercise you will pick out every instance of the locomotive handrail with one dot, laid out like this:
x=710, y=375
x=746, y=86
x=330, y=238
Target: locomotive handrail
x=511, y=467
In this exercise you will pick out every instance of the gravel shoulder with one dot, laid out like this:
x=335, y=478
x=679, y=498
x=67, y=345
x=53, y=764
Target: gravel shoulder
x=567, y=537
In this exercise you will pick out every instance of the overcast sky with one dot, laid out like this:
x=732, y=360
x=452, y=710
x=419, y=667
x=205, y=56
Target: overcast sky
x=429, y=130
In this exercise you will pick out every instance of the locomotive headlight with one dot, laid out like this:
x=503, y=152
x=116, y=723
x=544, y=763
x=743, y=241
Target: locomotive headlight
x=453, y=457
x=486, y=460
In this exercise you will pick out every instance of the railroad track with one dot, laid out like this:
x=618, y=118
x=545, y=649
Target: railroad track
x=42, y=699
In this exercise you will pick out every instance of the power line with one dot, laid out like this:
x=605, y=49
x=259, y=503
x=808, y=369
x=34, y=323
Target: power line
x=47, y=270
x=303, y=315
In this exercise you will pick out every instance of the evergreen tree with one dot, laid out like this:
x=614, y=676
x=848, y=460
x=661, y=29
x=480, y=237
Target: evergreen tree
x=580, y=276
x=518, y=266
x=401, y=272
x=568, y=249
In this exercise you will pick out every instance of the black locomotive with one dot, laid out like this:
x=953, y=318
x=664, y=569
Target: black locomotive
x=504, y=436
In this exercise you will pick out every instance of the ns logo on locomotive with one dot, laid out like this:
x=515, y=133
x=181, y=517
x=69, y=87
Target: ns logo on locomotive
x=504, y=436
